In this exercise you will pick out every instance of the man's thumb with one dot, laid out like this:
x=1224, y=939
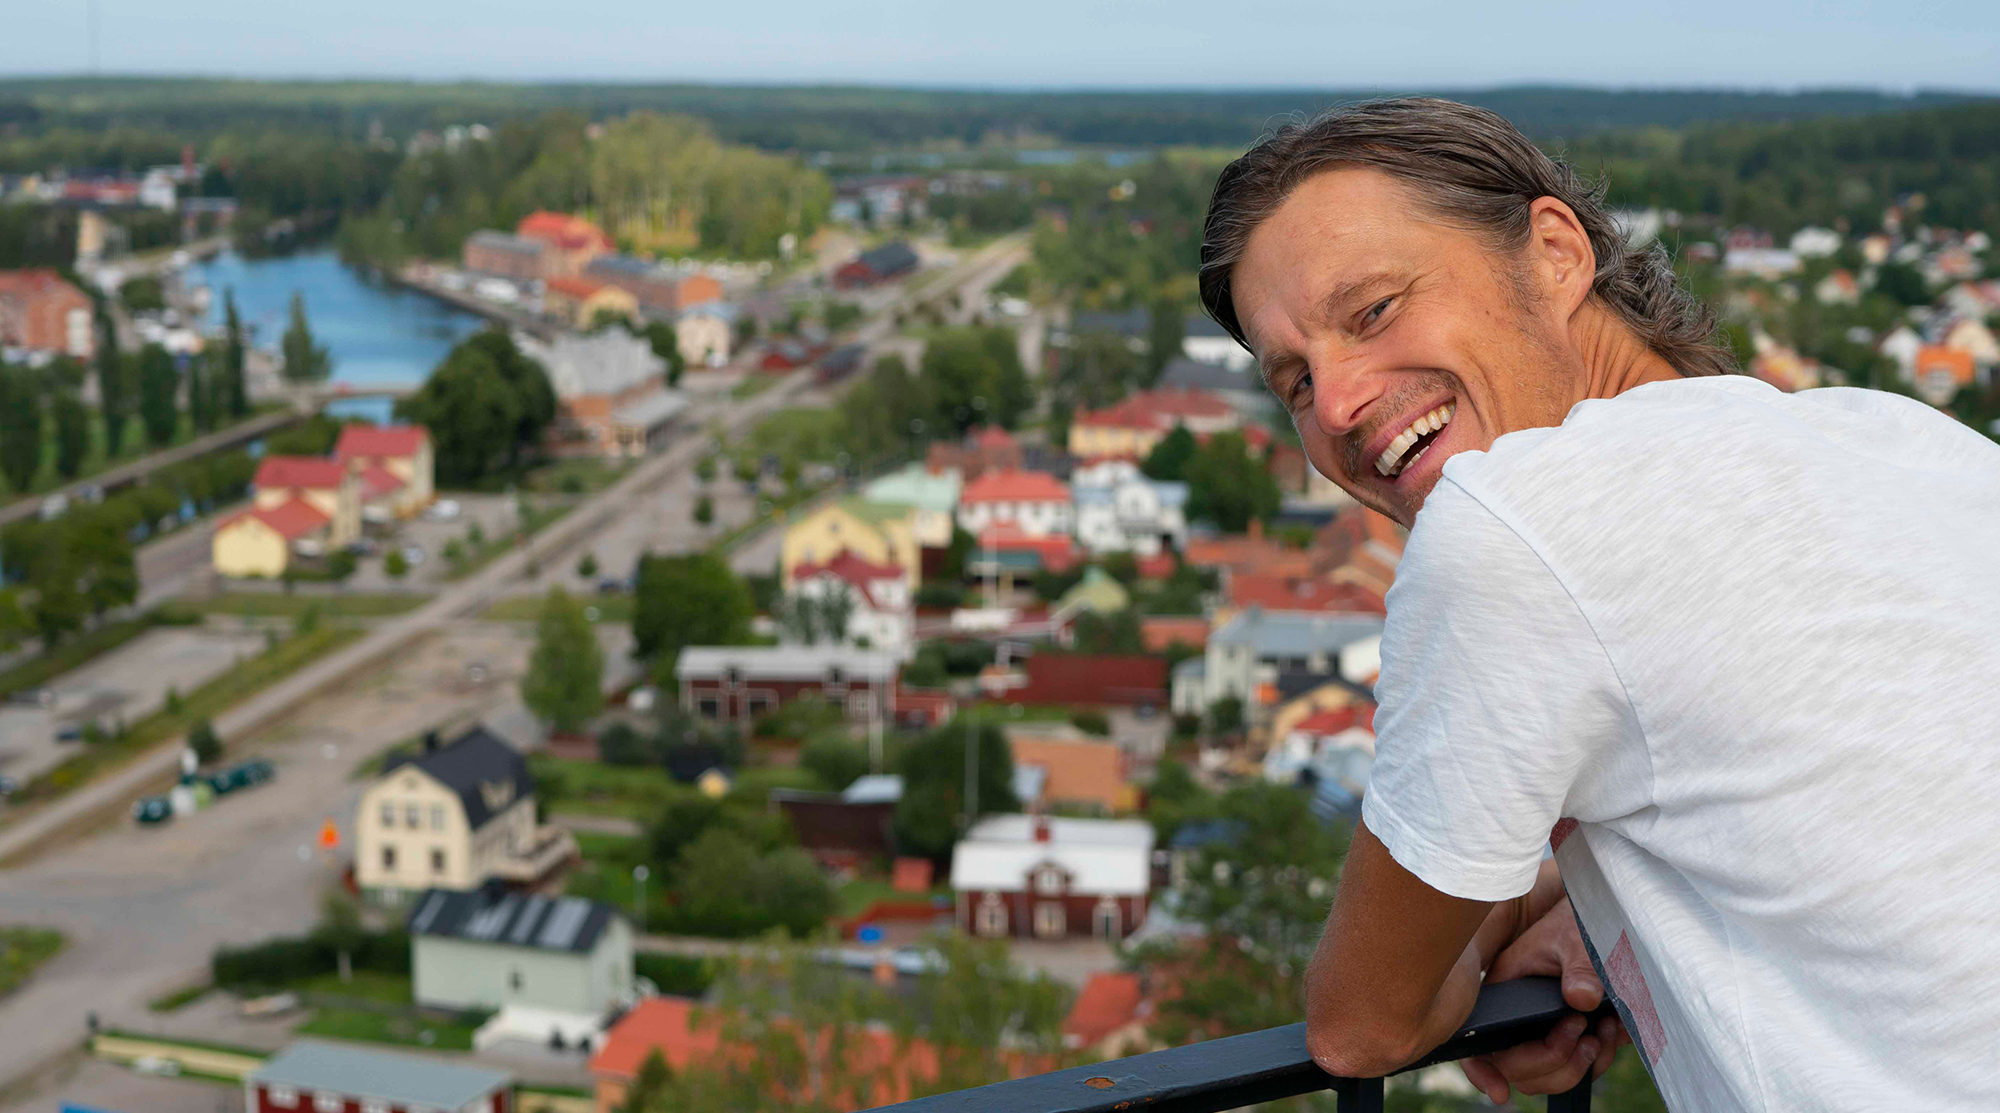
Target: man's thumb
x=1581, y=989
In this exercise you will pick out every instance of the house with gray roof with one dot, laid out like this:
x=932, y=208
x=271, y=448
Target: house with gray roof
x=312, y=1075
x=611, y=390
x=1204, y=340
x=1254, y=648
x=491, y=949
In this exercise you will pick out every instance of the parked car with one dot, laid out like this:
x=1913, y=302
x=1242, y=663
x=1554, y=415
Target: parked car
x=443, y=510
x=152, y=809
x=69, y=732
x=611, y=585
x=244, y=774
x=8, y=785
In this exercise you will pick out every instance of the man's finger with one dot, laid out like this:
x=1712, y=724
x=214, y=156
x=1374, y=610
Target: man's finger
x=1486, y=1078
x=1581, y=989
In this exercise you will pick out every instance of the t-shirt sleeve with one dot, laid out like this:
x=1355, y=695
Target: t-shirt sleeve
x=1495, y=695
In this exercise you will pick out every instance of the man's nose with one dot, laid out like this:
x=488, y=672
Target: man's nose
x=1341, y=394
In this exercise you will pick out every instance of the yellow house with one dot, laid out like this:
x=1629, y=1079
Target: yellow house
x=454, y=817
x=258, y=541
x=581, y=300
x=880, y=533
x=394, y=464
x=321, y=483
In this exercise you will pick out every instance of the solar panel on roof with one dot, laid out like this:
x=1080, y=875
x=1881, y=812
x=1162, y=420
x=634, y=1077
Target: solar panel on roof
x=564, y=923
x=487, y=923
x=525, y=926
x=427, y=913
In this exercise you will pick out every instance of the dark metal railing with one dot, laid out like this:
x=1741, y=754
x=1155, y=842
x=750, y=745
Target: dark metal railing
x=1236, y=1071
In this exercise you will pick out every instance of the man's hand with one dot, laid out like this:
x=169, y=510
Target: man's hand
x=1550, y=946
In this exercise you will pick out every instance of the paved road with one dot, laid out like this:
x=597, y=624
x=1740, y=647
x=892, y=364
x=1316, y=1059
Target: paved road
x=114, y=478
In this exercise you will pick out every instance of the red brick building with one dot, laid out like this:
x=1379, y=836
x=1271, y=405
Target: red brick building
x=736, y=684
x=872, y=268
x=42, y=312
x=511, y=257
x=572, y=241
x=1129, y=679
x=1031, y=876
x=314, y=1077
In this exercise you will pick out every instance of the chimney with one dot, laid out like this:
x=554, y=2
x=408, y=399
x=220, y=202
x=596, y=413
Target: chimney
x=1041, y=828
x=430, y=741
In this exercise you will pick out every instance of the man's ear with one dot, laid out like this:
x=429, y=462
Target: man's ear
x=1559, y=251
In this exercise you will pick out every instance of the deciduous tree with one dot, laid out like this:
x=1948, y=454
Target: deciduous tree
x=159, y=384
x=306, y=361
x=565, y=677
x=233, y=392
x=20, y=427
x=688, y=600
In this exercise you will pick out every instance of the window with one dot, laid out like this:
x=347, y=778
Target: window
x=437, y=861
x=329, y=1103
x=413, y=817
x=437, y=817
x=992, y=917
x=374, y=1105
x=757, y=703
x=1050, y=920
x=708, y=707
x=1048, y=882
x=388, y=857
x=514, y=979
x=284, y=1097
x=388, y=815
x=1107, y=919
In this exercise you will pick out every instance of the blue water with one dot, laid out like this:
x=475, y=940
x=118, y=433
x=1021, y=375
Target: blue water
x=376, y=333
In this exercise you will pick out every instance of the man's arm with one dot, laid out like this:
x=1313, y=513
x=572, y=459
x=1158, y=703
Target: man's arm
x=1398, y=967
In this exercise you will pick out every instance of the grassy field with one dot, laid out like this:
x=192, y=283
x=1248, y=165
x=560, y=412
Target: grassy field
x=591, y=788
x=393, y=989
x=753, y=384
x=855, y=896
x=527, y=608
x=205, y=702
x=270, y=604
x=374, y=1027
x=22, y=952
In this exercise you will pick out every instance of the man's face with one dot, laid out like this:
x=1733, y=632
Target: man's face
x=1396, y=341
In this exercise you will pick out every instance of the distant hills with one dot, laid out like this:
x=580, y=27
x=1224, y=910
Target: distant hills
x=853, y=119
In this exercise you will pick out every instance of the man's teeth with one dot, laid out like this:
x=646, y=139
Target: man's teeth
x=1388, y=462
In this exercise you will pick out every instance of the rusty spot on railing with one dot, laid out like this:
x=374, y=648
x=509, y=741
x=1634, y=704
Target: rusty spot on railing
x=1099, y=1083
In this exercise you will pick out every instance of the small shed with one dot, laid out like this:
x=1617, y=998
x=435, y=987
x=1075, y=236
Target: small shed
x=489, y=948
x=310, y=1075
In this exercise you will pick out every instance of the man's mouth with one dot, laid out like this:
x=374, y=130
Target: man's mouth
x=1413, y=441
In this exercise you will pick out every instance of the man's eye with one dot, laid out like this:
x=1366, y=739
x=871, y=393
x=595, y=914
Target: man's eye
x=1302, y=388
x=1375, y=311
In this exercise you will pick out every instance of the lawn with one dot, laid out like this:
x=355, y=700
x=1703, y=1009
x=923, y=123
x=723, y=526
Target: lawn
x=392, y=989
x=270, y=604
x=374, y=1027
x=22, y=952
x=753, y=384
x=591, y=788
x=799, y=435
x=856, y=896
x=528, y=608
x=205, y=702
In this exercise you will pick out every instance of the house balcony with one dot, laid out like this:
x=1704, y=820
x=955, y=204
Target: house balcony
x=550, y=849
x=1239, y=1071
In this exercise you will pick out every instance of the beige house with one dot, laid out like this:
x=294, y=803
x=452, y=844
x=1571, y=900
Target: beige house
x=879, y=533
x=705, y=332
x=454, y=817
x=259, y=541
x=394, y=463
x=320, y=483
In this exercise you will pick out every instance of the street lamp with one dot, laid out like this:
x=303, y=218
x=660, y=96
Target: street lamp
x=639, y=876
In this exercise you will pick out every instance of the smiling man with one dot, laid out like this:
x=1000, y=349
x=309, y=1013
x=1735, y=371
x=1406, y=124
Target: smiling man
x=1730, y=652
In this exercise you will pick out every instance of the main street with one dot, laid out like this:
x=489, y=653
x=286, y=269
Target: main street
x=145, y=907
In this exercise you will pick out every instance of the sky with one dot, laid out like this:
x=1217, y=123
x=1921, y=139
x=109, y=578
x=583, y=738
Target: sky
x=1429, y=44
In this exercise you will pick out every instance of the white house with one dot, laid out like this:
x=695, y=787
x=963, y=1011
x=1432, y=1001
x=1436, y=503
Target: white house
x=1814, y=243
x=1036, y=503
x=491, y=949
x=1119, y=510
x=1253, y=648
x=879, y=594
x=1902, y=345
x=704, y=332
x=1205, y=341
x=1023, y=875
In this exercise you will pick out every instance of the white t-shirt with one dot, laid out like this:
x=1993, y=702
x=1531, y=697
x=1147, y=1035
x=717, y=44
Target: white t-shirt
x=1736, y=654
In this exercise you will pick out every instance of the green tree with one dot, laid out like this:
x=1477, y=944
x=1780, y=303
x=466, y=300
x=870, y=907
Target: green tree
x=666, y=344
x=15, y=621
x=96, y=556
x=159, y=414
x=486, y=405
x=810, y=619
x=305, y=360
x=114, y=382
x=1165, y=329
x=341, y=931
x=232, y=393
x=929, y=817
x=587, y=566
x=394, y=564
x=835, y=760
x=200, y=395
x=1169, y=458
x=688, y=600
x=1229, y=486
x=201, y=738
x=704, y=469
x=1903, y=282
x=20, y=427
x=704, y=510
x=650, y=1088
x=565, y=677
x=729, y=886
x=974, y=377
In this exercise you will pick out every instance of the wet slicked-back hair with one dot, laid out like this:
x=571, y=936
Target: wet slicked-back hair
x=1470, y=168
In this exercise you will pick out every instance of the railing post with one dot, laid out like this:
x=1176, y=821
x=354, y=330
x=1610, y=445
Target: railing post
x=1577, y=1100
x=1359, y=1095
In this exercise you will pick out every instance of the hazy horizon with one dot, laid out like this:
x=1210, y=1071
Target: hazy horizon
x=1038, y=45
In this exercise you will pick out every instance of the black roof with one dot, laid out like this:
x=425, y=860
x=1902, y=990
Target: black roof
x=1182, y=373
x=1293, y=683
x=1130, y=322
x=890, y=258
x=469, y=765
x=493, y=915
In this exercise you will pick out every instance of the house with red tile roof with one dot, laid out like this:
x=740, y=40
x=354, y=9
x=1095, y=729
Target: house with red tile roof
x=1033, y=502
x=1940, y=372
x=1161, y=632
x=321, y=481
x=878, y=594
x=1128, y=429
x=1108, y=1018
x=260, y=541
x=396, y=464
x=984, y=448
x=569, y=241
x=42, y=312
x=687, y=1041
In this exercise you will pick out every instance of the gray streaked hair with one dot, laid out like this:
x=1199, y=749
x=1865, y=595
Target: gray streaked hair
x=1470, y=168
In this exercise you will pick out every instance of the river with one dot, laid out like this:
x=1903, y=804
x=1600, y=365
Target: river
x=375, y=332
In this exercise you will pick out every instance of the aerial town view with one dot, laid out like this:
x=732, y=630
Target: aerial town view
x=812, y=561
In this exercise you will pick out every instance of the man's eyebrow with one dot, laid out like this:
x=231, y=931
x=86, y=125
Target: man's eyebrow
x=1343, y=292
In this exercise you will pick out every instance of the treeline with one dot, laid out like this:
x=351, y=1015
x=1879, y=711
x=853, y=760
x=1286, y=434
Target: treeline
x=1782, y=177
x=656, y=183
x=851, y=118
